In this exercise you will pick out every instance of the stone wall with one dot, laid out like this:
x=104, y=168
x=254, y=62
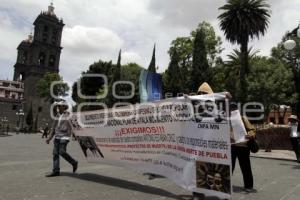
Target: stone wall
x=277, y=138
x=8, y=109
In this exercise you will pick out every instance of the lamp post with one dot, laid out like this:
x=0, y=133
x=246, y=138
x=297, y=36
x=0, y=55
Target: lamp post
x=1, y=125
x=22, y=118
x=290, y=44
x=4, y=121
x=20, y=115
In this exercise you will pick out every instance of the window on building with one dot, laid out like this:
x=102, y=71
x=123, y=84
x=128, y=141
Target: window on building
x=14, y=107
x=22, y=77
x=54, y=37
x=24, y=57
x=40, y=109
x=42, y=58
x=45, y=33
x=7, y=94
x=52, y=61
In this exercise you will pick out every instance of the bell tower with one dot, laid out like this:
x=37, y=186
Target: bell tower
x=38, y=55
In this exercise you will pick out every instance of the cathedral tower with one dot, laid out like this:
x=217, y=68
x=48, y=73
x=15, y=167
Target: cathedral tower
x=38, y=55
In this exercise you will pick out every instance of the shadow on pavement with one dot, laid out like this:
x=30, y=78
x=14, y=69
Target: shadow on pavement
x=125, y=185
x=296, y=165
x=5, y=135
x=237, y=189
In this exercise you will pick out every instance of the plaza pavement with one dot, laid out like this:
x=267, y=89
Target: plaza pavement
x=24, y=160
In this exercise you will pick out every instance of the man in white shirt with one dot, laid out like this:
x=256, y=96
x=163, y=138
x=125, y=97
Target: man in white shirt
x=61, y=131
x=295, y=135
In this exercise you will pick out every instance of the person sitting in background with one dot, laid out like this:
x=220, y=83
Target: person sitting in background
x=295, y=135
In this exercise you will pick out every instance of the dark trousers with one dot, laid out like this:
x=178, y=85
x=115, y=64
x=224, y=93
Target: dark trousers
x=296, y=147
x=45, y=134
x=243, y=155
x=60, y=149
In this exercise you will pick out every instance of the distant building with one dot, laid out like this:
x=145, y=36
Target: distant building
x=11, y=90
x=37, y=55
x=11, y=98
x=280, y=115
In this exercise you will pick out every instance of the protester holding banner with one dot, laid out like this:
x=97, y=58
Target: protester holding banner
x=203, y=90
x=295, y=135
x=240, y=149
x=61, y=131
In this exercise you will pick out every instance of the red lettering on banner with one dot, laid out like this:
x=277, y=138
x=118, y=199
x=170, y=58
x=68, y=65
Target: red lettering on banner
x=180, y=148
x=191, y=151
x=201, y=153
x=216, y=155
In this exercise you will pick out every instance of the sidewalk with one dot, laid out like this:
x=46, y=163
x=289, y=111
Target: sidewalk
x=276, y=154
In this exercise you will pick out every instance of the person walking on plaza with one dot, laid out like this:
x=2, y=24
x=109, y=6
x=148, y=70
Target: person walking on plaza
x=241, y=151
x=46, y=130
x=295, y=135
x=61, y=131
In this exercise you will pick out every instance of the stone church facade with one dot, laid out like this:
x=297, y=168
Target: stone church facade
x=38, y=55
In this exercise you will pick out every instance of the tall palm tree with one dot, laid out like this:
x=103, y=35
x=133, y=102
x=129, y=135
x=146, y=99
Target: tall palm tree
x=241, y=21
x=233, y=69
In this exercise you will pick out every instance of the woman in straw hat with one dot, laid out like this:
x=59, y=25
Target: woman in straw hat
x=295, y=135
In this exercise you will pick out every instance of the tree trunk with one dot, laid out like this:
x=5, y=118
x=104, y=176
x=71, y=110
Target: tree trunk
x=244, y=70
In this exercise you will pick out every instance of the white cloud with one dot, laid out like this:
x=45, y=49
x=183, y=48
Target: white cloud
x=130, y=57
x=90, y=40
x=189, y=13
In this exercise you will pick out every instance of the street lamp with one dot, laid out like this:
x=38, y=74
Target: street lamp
x=20, y=115
x=4, y=121
x=22, y=118
x=290, y=44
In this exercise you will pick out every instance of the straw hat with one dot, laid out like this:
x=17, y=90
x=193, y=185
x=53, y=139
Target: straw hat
x=293, y=117
x=205, y=88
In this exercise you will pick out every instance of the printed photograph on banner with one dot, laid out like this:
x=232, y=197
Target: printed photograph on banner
x=75, y=124
x=213, y=176
x=209, y=108
x=89, y=147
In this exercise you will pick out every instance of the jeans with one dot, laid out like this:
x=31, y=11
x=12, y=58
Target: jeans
x=243, y=155
x=60, y=149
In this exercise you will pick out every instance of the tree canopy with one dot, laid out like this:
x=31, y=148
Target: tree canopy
x=241, y=21
x=44, y=86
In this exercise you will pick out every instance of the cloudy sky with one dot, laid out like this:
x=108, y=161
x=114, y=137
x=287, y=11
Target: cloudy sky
x=97, y=29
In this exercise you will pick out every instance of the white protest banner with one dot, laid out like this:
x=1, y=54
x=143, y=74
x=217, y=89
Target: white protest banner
x=163, y=138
